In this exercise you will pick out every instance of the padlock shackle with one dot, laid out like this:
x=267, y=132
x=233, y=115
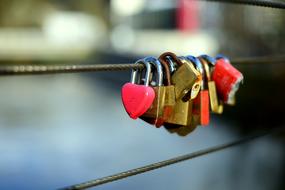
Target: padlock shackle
x=206, y=67
x=166, y=65
x=135, y=72
x=210, y=60
x=147, y=70
x=197, y=63
x=172, y=66
x=221, y=56
x=159, y=72
x=172, y=55
x=165, y=59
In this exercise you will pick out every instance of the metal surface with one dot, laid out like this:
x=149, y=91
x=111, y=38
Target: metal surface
x=198, y=65
x=171, y=161
x=147, y=72
x=184, y=79
x=158, y=67
x=193, y=93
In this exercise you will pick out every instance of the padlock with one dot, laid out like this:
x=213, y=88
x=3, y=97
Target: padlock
x=227, y=79
x=182, y=113
x=201, y=108
x=196, y=87
x=164, y=101
x=183, y=130
x=183, y=78
x=191, y=95
x=137, y=98
x=216, y=104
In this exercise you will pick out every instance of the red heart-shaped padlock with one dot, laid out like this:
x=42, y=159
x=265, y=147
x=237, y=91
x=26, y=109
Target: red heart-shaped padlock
x=137, y=99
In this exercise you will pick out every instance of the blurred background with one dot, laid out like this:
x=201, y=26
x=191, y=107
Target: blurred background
x=57, y=130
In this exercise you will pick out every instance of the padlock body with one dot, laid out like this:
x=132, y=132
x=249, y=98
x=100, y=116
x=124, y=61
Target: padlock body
x=205, y=107
x=162, y=106
x=182, y=113
x=181, y=124
x=169, y=101
x=227, y=79
x=137, y=99
x=184, y=78
x=156, y=109
x=201, y=112
x=216, y=107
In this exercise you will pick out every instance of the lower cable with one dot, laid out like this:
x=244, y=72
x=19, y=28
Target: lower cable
x=150, y=167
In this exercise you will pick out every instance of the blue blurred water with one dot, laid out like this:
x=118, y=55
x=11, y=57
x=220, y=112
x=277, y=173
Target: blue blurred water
x=60, y=130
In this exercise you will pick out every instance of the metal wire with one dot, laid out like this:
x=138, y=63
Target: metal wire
x=165, y=163
x=261, y=3
x=54, y=69
x=260, y=60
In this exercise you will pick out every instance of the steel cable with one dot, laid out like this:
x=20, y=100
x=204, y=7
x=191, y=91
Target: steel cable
x=150, y=167
x=261, y=3
x=53, y=69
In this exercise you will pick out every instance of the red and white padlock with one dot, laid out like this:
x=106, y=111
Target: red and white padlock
x=138, y=98
x=227, y=79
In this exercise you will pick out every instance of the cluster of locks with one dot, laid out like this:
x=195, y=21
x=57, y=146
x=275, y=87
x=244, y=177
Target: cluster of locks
x=178, y=92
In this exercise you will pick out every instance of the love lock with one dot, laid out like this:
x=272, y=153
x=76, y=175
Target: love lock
x=138, y=98
x=227, y=79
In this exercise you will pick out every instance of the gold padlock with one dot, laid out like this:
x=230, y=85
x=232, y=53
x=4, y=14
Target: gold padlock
x=164, y=101
x=183, y=130
x=183, y=78
x=193, y=93
x=216, y=105
x=169, y=93
x=181, y=115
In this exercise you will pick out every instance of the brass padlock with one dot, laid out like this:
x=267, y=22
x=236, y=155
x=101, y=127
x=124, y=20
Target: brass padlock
x=183, y=130
x=170, y=98
x=216, y=105
x=193, y=93
x=164, y=101
x=183, y=78
x=181, y=115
